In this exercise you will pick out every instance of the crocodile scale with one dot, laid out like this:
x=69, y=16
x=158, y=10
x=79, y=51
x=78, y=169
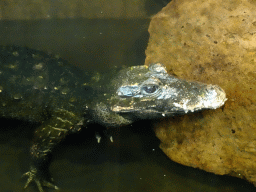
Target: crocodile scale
x=40, y=87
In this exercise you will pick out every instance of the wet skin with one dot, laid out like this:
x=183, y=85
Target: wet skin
x=39, y=87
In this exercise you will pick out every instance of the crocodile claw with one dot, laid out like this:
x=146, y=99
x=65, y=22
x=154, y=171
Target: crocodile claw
x=33, y=176
x=105, y=134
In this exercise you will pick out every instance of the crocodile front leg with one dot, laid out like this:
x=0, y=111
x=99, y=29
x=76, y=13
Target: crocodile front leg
x=47, y=136
x=33, y=175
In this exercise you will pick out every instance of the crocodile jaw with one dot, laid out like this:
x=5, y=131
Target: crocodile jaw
x=213, y=98
x=173, y=96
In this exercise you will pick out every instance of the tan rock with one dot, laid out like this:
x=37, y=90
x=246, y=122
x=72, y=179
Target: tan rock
x=212, y=42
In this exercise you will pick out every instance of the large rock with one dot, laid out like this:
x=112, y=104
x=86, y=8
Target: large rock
x=212, y=42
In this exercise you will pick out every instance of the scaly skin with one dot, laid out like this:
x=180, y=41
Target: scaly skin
x=39, y=87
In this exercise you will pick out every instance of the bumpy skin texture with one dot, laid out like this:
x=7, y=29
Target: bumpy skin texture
x=35, y=86
x=38, y=87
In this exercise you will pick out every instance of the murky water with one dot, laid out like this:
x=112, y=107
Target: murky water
x=133, y=163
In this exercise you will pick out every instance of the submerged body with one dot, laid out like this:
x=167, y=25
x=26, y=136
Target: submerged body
x=38, y=87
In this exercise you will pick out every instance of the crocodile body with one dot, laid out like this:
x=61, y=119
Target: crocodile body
x=39, y=87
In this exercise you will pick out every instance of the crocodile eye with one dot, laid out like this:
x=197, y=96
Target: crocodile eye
x=150, y=88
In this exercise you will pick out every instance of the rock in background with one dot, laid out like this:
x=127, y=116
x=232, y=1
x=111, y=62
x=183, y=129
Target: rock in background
x=212, y=42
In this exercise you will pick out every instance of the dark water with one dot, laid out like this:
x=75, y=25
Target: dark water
x=133, y=163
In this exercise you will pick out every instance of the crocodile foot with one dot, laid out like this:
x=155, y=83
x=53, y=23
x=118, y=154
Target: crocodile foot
x=33, y=176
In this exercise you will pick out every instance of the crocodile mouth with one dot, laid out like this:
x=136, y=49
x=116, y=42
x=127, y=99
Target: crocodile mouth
x=213, y=97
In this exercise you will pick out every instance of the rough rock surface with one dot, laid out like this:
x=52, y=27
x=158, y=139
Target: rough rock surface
x=212, y=42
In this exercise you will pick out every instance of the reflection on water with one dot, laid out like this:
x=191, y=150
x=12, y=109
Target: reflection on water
x=133, y=162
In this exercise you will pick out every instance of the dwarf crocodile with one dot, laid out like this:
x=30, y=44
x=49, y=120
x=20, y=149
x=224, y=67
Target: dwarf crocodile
x=40, y=87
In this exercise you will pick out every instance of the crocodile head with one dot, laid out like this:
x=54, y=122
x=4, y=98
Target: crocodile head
x=142, y=92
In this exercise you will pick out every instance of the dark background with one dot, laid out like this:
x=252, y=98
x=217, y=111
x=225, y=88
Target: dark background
x=134, y=161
